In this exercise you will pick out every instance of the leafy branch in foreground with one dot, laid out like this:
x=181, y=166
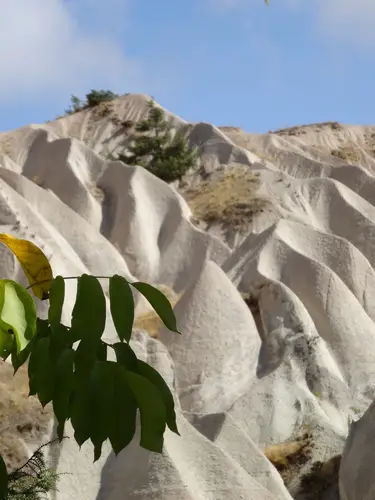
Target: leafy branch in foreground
x=68, y=366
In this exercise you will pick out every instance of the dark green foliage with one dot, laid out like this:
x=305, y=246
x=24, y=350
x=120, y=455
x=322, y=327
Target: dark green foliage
x=88, y=318
x=125, y=356
x=93, y=98
x=56, y=299
x=19, y=359
x=75, y=105
x=63, y=388
x=102, y=351
x=3, y=479
x=155, y=148
x=151, y=406
x=32, y=481
x=151, y=374
x=41, y=370
x=125, y=409
x=100, y=397
x=122, y=306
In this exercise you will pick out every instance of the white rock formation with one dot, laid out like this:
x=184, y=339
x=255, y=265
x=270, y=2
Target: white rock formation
x=299, y=358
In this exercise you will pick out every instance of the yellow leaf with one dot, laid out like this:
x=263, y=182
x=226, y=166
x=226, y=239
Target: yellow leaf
x=34, y=264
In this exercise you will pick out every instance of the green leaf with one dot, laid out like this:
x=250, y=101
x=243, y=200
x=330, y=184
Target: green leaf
x=126, y=356
x=160, y=303
x=122, y=306
x=43, y=328
x=153, y=376
x=7, y=344
x=124, y=413
x=89, y=312
x=32, y=368
x=85, y=359
x=46, y=374
x=3, y=480
x=152, y=410
x=18, y=359
x=101, y=351
x=102, y=394
x=41, y=371
x=80, y=414
x=17, y=315
x=56, y=301
x=60, y=340
x=63, y=387
x=79, y=408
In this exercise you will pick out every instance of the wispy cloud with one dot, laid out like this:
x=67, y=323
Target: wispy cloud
x=48, y=47
x=347, y=20
x=227, y=5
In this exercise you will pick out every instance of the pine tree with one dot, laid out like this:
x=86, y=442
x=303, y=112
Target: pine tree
x=75, y=105
x=155, y=148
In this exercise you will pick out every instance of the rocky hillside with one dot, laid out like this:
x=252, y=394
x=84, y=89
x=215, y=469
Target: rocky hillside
x=267, y=250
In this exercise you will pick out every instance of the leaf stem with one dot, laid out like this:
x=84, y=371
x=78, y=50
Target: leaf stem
x=65, y=278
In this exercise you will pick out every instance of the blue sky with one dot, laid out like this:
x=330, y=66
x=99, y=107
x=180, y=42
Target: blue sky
x=228, y=62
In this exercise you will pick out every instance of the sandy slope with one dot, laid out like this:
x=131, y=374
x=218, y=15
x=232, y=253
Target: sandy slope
x=296, y=358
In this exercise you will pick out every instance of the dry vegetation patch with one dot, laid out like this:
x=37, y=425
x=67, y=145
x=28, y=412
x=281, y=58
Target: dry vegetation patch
x=231, y=200
x=346, y=153
x=321, y=479
x=102, y=110
x=302, y=129
x=289, y=457
x=22, y=418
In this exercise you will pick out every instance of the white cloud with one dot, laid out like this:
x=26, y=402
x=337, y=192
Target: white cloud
x=55, y=47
